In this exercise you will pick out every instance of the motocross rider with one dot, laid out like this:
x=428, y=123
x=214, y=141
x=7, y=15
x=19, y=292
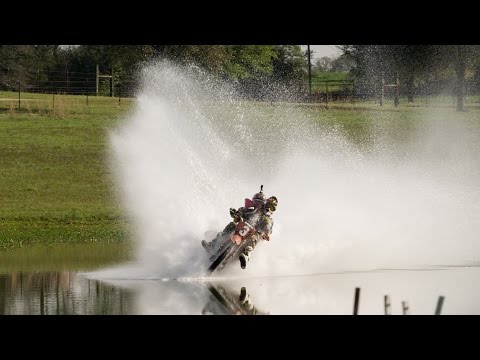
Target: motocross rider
x=263, y=226
x=251, y=212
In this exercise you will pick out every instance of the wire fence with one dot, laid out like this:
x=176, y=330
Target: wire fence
x=70, y=83
x=429, y=93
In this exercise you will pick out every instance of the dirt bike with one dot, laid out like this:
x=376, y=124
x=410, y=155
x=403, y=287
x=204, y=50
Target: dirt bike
x=230, y=245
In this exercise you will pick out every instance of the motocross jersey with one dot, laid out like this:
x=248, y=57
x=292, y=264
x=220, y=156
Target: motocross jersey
x=250, y=214
x=261, y=222
x=264, y=226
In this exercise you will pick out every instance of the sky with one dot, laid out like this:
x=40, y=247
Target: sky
x=323, y=50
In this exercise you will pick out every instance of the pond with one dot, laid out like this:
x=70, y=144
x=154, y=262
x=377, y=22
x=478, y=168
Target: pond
x=410, y=291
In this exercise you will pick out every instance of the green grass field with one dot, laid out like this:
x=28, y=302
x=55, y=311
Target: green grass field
x=56, y=186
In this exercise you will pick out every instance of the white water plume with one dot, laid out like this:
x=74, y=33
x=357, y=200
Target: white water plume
x=190, y=150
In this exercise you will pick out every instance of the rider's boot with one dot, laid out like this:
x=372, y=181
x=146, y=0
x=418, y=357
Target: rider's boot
x=210, y=245
x=245, y=299
x=243, y=294
x=245, y=256
x=207, y=245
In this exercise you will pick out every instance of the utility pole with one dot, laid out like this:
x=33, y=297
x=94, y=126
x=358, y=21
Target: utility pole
x=309, y=74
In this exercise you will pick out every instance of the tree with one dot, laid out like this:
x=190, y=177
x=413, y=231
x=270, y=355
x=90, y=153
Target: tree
x=210, y=57
x=289, y=64
x=234, y=62
x=250, y=61
x=323, y=64
x=412, y=62
x=370, y=64
x=122, y=60
x=341, y=64
x=460, y=58
x=16, y=62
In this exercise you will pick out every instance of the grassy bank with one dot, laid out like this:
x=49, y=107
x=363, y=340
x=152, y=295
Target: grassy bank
x=60, y=257
x=55, y=183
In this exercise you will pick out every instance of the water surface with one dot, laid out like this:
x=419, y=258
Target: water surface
x=71, y=292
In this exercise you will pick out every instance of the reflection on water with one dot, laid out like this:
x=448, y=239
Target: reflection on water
x=224, y=302
x=67, y=292
x=62, y=292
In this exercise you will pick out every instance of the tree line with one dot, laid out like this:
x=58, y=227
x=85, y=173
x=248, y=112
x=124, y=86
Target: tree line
x=251, y=67
x=416, y=65
x=254, y=68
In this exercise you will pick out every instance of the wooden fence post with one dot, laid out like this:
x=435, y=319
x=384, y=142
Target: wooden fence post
x=382, y=93
x=112, y=88
x=97, y=80
x=405, y=308
x=397, y=91
x=326, y=94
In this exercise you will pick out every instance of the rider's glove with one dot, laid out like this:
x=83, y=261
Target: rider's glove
x=233, y=212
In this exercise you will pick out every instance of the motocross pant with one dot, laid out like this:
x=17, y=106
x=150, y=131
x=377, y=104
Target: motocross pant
x=251, y=243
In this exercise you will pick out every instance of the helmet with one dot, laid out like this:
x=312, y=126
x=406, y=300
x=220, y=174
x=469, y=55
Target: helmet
x=258, y=199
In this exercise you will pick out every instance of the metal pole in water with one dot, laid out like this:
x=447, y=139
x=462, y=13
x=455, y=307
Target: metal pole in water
x=357, y=301
x=388, y=304
x=438, y=310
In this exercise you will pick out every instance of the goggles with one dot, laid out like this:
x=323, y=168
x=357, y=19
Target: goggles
x=270, y=207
